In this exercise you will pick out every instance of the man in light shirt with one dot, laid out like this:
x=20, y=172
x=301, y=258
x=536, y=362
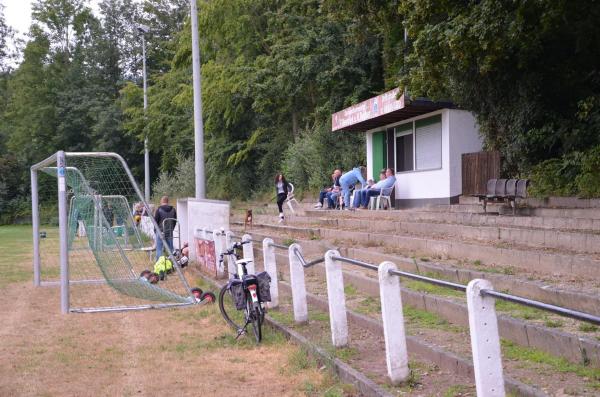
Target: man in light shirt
x=366, y=194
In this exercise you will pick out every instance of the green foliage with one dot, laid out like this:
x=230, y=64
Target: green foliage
x=573, y=174
x=176, y=184
x=528, y=70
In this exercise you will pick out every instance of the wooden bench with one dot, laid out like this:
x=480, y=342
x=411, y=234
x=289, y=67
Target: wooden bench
x=504, y=190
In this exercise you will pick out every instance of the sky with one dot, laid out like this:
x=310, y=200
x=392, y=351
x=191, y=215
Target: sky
x=17, y=13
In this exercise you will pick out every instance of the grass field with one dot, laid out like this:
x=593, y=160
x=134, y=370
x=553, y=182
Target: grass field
x=177, y=352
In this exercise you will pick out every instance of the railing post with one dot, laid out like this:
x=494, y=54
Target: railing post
x=298, y=285
x=249, y=253
x=231, y=266
x=337, y=300
x=485, y=341
x=203, y=234
x=218, y=239
x=396, y=355
x=270, y=263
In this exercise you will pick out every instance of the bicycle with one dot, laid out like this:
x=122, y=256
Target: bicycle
x=248, y=293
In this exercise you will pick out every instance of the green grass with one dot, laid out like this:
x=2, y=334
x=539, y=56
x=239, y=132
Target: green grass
x=432, y=289
x=425, y=319
x=288, y=241
x=512, y=351
x=350, y=290
x=16, y=247
x=318, y=316
x=369, y=305
x=456, y=390
x=300, y=360
x=553, y=323
x=585, y=327
x=520, y=311
x=281, y=317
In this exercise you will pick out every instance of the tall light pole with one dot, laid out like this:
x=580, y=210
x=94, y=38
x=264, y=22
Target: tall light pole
x=198, y=124
x=142, y=30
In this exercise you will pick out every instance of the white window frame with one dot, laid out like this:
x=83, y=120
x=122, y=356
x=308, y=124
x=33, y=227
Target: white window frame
x=413, y=132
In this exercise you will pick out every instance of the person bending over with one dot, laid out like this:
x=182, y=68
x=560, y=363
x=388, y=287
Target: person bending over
x=350, y=179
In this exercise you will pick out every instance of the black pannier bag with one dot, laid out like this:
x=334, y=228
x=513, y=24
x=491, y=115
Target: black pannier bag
x=237, y=293
x=264, y=286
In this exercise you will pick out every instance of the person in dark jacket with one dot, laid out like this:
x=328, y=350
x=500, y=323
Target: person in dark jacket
x=165, y=211
x=281, y=188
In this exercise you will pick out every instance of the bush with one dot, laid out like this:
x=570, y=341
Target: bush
x=588, y=181
x=574, y=174
x=310, y=160
x=180, y=183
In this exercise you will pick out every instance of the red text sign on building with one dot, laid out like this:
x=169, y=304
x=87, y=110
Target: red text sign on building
x=366, y=110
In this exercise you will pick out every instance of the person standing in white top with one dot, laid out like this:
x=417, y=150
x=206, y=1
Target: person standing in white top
x=281, y=188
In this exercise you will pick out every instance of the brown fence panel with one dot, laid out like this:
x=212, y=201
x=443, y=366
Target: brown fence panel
x=477, y=168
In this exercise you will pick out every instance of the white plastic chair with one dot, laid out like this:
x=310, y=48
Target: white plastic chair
x=290, y=198
x=377, y=201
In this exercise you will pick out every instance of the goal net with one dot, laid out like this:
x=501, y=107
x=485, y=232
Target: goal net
x=107, y=248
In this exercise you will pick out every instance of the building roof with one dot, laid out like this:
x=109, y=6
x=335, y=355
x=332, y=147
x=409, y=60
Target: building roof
x=382, y=110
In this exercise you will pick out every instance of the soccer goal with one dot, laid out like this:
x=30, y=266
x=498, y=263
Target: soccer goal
x=99, y=251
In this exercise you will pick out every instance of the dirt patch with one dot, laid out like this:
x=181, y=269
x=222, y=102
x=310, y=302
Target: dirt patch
x=183, y=352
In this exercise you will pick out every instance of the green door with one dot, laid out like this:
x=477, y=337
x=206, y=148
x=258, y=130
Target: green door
x=379, y=153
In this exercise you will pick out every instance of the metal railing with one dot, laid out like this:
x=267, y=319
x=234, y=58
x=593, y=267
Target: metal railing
x=303, y=261
x=574, y=314
x=483, y=323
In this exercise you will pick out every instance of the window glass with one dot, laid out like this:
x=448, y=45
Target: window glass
x=404, y=153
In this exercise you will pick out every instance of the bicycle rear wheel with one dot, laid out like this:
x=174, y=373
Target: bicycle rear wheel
x=232, y=316
x=255, y=317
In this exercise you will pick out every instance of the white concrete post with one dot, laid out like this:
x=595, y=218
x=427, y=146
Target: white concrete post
x=270, y=264
x=298, y=285
x=485, y=341
x=217, y=238
x=396, y=355
x=203, y=234
x=231, y=267
x=337, y=300
x=249, y=253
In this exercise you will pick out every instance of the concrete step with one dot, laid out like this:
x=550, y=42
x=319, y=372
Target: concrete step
x=467, y=218
x=592, y=212
x=576, y=296
x=569, y=241
x=551, y=341
x=540, y=261
x=573, y=347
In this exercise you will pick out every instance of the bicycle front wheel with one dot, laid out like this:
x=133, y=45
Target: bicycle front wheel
x=232, y=316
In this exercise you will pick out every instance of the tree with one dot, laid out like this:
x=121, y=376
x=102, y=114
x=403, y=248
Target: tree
x=529, y=70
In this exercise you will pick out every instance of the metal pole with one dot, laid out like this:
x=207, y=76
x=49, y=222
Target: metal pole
x=35, y=220
x=198, y=124
x=146, y=153
x=62, y=222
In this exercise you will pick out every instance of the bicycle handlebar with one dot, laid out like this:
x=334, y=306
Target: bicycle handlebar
x=231, y=251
